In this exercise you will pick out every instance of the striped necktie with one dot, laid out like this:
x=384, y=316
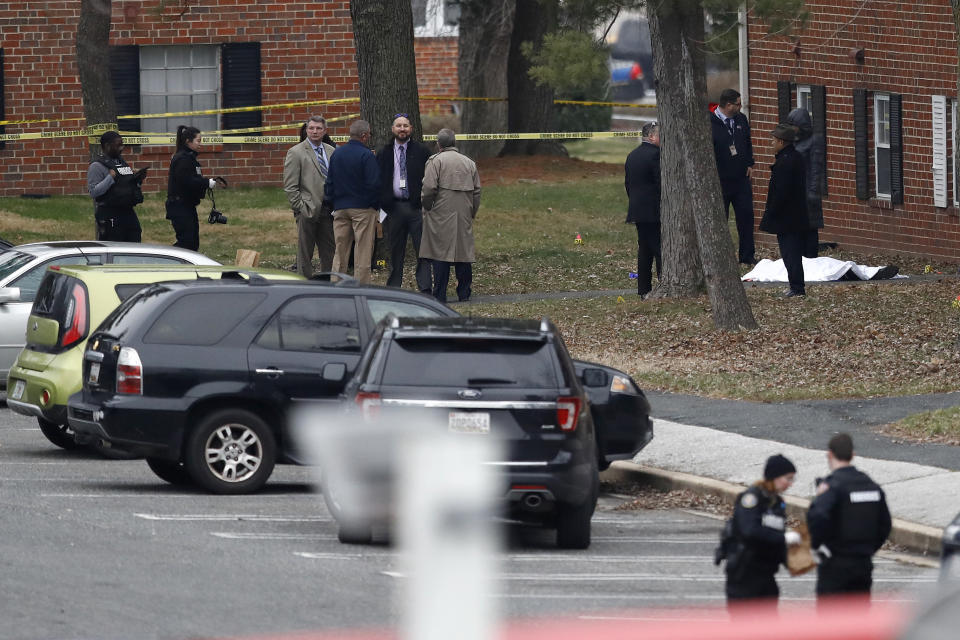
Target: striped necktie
x=323, y=163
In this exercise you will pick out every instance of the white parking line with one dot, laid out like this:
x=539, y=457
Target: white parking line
x=312, y=555
x=271, y=536
x=208, y=517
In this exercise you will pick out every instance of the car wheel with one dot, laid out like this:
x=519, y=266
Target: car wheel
x=173, y=472
x=59, y=434
x=230, y=452
x=573, y=521
x=110, y=452
x=573, y=525
x=354, y=533
x=348, y=531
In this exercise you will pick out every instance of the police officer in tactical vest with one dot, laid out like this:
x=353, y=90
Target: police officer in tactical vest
x=848, y=522
x=115, y=189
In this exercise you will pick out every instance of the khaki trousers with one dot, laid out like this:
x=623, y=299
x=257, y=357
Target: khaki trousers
x=354, y=228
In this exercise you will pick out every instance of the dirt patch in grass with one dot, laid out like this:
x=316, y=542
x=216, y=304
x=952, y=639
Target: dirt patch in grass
x=514, y=169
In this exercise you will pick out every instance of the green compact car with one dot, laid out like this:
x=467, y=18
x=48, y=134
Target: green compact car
x=72, y=301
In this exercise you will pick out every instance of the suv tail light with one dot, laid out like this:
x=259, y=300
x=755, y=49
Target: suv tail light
x=76, y=317
x=129, y=372
x=369, y=403
x=568, y=411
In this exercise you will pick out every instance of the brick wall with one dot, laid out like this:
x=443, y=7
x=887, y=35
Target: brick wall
x=307, y=53
x=909, y=49
x=436, y=71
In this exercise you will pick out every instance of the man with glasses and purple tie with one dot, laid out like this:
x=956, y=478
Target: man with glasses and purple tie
x=401, y=164
x=305, y=172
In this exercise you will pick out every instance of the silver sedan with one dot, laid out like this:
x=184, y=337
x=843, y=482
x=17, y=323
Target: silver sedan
x=22, y=267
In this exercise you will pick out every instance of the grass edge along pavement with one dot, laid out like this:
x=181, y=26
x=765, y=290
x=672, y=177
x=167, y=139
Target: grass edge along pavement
x=919, y=538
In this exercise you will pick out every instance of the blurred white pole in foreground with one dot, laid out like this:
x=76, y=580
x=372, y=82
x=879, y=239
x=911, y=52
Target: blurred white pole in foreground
x=446, y=529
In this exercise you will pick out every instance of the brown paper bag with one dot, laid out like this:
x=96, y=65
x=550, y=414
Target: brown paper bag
x=800, y=556
x=248, y=258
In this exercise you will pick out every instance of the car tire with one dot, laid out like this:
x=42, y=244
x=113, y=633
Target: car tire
x=59, y=434
x=173, y=472
x=573, y=521
x=111, y=452
x=354, y=533
x=348, y=531
x=231, y=451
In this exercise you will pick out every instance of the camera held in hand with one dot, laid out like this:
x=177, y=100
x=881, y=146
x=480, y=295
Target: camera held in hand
x=216, y=217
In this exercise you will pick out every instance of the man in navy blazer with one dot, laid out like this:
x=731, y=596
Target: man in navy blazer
x=642, y=181
x=733, y=151
x=401, y=164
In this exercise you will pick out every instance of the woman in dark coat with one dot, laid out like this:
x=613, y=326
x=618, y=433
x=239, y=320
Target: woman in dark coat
x=186, y=187
x=759, y=527
x=786, y=210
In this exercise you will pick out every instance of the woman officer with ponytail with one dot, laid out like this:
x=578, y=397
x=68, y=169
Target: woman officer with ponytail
x=186, y=187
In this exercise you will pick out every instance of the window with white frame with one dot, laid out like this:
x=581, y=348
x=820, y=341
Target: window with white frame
x=881, y=143
x=179, y=78
x=939, y=149
x=953, y=150
x=435, y=18
x=805, y=98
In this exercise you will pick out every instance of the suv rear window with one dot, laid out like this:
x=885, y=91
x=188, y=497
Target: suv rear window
x=202, y=318
x=462, y=362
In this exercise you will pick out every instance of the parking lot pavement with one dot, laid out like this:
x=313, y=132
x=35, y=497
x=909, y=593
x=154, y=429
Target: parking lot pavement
x=100, y=548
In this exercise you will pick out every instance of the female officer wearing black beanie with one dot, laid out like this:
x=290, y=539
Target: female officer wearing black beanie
x=186, y=187
x=759, y=522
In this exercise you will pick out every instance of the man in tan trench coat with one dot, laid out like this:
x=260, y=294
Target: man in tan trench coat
x=450, y=198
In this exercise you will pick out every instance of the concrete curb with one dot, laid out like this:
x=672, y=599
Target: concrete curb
x=919, y=538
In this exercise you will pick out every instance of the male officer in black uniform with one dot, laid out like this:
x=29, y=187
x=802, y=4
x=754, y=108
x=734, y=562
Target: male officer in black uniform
x=733, y=151
x=850, y=519
x=115, y=189
x=642, y=181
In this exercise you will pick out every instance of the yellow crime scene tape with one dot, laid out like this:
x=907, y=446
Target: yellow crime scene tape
x=289, y=105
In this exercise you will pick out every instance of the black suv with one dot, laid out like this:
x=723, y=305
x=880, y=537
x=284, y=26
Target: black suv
x=512, y=380
x=198, y=376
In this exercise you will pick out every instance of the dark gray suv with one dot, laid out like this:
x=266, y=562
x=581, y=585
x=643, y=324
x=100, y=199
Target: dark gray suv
x=512, y=380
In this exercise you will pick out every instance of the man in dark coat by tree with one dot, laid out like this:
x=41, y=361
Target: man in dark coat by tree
x=813, y=148
x=642, y=181
x=786, y=210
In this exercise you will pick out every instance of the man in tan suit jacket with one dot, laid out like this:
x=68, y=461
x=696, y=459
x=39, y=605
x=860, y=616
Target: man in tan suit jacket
x=304, y=176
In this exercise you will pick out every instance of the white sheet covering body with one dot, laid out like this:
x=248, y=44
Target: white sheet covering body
x=814, y=270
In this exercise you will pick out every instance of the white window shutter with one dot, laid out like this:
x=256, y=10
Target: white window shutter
x=939, y=151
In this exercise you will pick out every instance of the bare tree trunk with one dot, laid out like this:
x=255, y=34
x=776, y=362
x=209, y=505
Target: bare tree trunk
x=93, y=63
x=690, y=173
x=386, y=65
x=484, y=47
x=682, y=271
x=531, y=107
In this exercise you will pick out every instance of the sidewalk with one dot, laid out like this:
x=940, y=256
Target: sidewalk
x=922, y=499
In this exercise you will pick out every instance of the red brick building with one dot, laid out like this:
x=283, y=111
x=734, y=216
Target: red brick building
x=180, y=56
x=879, y=78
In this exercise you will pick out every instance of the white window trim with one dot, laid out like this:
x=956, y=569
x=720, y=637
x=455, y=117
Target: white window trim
x=804, y=90
x=435, y=26
x=877, y=99
x=939, y=150
x=953, y=151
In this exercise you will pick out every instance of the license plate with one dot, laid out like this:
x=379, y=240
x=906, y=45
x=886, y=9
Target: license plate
x=18, y=389
x=94, y=374
x=472, y=422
